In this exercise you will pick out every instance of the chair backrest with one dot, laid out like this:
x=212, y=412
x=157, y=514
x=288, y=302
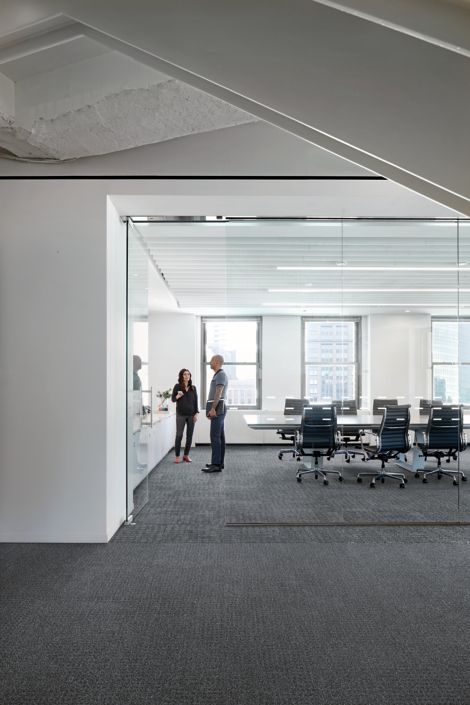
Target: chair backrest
x=318, y=427
x=393, y=433
x=445, y=428
x=345, y=407
x=380, y=404
x=293, y=406
x=426, y=404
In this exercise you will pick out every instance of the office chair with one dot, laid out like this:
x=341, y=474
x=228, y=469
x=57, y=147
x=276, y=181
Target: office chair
x=378, y=405
x=393, y=439
x=351, y=443
x=292, y=407
x=426, y=404
x=444, y=438
x=317, y=438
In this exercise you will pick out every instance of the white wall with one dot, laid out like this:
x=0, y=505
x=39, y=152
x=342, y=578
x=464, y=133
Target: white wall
x=172, y=346
x=400, y=356
x=53, y=362
x=281, y=368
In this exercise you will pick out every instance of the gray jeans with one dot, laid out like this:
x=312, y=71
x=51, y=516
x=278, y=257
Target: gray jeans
x=181, y=422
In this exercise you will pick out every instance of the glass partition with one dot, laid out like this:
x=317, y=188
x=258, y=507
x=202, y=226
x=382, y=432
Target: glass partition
x=139, y=396
x=361, y=314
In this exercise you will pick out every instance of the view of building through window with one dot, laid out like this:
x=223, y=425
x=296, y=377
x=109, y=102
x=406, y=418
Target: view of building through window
x=330, y=359
x=451, y=360
x=238, y=341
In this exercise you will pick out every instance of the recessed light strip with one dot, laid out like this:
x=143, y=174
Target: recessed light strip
x=316, y=304
x=343, y=268
x=366, y=291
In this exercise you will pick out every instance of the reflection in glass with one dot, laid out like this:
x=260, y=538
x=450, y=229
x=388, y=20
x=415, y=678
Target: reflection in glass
x=137, y=374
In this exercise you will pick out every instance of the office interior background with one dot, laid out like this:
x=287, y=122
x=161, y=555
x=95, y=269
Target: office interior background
x=387, y=151
x=162, y=166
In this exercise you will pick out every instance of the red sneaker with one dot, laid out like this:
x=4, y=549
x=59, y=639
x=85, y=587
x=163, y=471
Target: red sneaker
x=177, y=459
x=187, y=459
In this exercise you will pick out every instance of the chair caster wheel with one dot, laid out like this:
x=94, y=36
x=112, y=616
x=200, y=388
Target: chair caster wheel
x=348, y=460
x=359, y=479
x=340, y=478
x=382, y=480
x=402, y=485
x=372, y=484
x=405, y=480
x=416, y=474
x=439, y=477
x=325, y=482
x=455, y=483
x=464, y=479
x=316, y=477
x=280, y=456
x=299, y=479
x=425, y=479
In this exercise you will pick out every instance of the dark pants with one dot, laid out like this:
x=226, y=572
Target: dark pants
x=181, y=422
x=218, y=440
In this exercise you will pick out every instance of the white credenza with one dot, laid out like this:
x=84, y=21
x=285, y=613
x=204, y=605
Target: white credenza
x=159, y=438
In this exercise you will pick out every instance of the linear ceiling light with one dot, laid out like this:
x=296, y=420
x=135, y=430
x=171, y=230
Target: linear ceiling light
x=338, y=304
x=343, y=268
x=366, y=291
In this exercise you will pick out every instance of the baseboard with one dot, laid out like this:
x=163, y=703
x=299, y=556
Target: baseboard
x=35, y=537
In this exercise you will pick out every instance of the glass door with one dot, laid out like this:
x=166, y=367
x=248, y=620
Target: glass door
x=139, y=397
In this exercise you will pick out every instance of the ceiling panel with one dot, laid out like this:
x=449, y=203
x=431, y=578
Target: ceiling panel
x=238, y=265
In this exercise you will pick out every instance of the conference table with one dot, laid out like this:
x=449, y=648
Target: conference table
x=348, y=424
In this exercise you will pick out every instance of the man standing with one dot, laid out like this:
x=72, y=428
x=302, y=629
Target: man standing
x=215, y=411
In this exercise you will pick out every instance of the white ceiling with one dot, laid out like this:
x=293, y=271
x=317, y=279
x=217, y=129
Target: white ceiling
x=232, y=267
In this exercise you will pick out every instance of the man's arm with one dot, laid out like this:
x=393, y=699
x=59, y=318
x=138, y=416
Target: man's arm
x=219, y=390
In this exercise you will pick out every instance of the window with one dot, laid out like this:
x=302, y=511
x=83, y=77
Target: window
x=238, y=341
x=451, y=360
x=330, y=359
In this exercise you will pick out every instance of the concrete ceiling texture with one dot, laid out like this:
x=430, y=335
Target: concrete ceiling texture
x=383, y=85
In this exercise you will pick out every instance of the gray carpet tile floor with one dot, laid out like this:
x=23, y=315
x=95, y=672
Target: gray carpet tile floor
x=182, y=609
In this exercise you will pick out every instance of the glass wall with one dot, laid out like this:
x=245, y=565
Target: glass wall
x=359, y=313
x=139, y=397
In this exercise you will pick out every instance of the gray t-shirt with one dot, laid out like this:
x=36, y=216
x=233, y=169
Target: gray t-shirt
x=219, y=378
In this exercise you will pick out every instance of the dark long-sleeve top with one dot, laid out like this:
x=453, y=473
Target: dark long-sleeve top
x=187, y=405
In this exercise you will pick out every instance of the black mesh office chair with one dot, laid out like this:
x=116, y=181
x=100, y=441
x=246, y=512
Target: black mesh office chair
x=426, y=404
x=444, y=438
x=393, y=439
x=378, y=405
x=292, y=407
x=350, y=442
x=318, y=438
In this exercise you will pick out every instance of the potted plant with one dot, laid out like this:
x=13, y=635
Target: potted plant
x=165, y=396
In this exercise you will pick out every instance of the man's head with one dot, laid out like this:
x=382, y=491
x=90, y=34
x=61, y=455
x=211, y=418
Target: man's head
x=137, y=363
x=216, y=362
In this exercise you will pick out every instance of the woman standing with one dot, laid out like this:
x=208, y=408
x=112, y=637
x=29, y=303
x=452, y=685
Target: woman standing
x=185, y=396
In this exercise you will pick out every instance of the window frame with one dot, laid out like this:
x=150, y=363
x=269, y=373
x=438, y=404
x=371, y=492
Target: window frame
x=458, y=363
x=205, y=363
x=357, y=320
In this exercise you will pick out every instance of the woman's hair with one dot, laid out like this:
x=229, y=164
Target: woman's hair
x=181, y=380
